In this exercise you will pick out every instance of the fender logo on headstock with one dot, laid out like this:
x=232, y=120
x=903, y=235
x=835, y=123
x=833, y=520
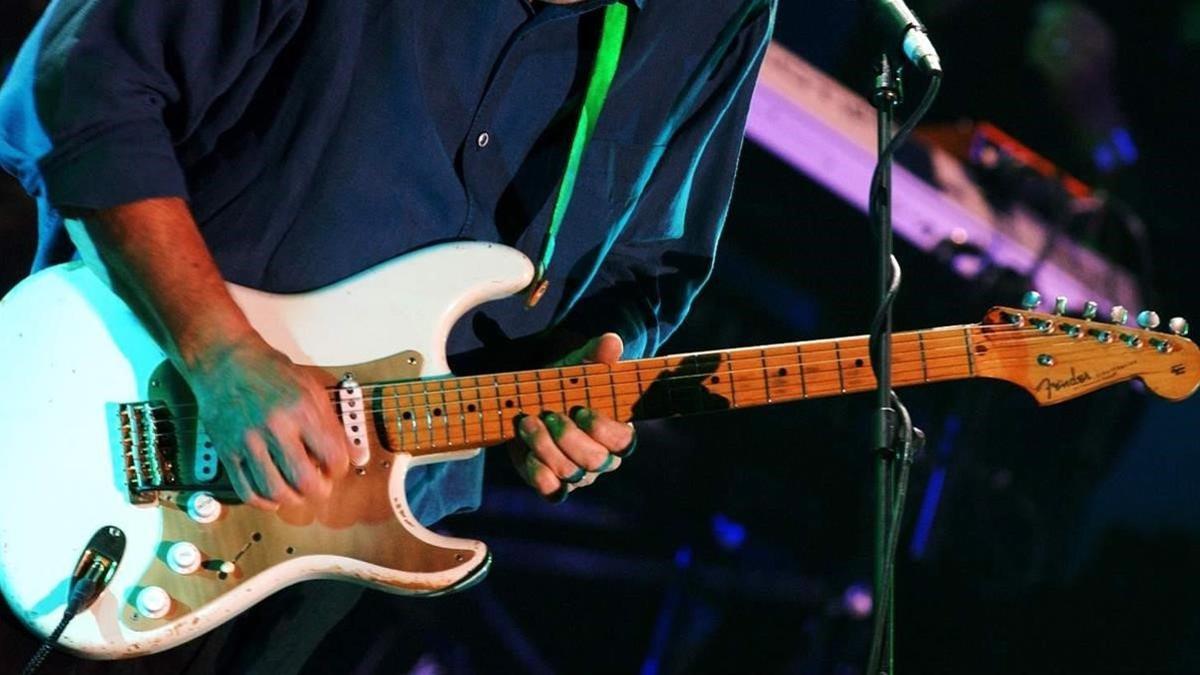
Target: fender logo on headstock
x=1178, y=369
x=1049, y=386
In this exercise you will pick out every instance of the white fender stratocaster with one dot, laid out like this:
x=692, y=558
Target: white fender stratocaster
x=97, y=430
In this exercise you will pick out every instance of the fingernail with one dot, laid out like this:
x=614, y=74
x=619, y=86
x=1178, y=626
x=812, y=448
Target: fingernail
x=584, y=418
x=554, y=424
x=607, y=465
x=576, y=477
x=628, y=451
x=526, y=426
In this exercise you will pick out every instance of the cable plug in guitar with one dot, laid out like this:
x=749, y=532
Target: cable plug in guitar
x=93, y=572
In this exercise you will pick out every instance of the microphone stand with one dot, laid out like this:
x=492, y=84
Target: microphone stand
x=887, y=94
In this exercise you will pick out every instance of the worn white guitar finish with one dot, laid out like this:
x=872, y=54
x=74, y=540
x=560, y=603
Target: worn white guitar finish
x=69, y=344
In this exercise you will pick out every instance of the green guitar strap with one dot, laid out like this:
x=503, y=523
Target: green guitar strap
x=612, y=38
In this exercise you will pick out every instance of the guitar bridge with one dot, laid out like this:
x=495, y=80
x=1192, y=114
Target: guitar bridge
x=148, y=448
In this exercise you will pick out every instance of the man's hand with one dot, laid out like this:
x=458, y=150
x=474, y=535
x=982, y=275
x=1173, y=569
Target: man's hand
x=562, y=451
x=272, y=424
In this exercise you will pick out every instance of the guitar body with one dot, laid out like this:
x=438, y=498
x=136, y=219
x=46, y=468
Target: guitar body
x=71, y=352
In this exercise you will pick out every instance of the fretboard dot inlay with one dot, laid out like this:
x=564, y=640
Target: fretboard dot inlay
x=716, y=379
x=407, y=415
x=574, y=380
x=782, y=372
x=471, y=408
x=858, y=363
x=437, y=412
x=508, y=404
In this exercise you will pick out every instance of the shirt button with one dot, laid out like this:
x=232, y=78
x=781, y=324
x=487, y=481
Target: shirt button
x=483, y=140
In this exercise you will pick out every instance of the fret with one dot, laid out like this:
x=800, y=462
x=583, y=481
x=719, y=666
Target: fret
x=413, y=413
x=762, y=357
x=613, y=386
x=479, y=406
x=637, y=378
x=837, y=351
x=499, y=404
x=562, y=392
x=970, y=356
x=459, y=410
x=428, y=413
x=587, y=390
x=732, y=387
x=800, y=365
x=924, y=363
x=442, y=410
x=397, y=421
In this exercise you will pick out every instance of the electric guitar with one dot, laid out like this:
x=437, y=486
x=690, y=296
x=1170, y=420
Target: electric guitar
x=97, y=430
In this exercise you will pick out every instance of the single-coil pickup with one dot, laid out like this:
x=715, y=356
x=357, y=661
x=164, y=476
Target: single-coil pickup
x=204, y=464
x=351, y=410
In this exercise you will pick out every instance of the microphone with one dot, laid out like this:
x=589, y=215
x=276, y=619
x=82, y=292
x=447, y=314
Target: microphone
x=899, y=23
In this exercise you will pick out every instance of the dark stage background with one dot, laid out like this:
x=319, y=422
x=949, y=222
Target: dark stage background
x=1060, y=540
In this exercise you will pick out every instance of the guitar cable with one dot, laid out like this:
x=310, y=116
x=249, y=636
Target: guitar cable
x=81, y=592
x=93, y=572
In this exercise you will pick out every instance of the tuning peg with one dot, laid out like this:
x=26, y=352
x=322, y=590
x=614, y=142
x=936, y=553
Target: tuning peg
x=1060, y=305
x=1119, y=315
x=1090, y=310
x=1148, y=319
x=1179, y=326
x=1031, y=300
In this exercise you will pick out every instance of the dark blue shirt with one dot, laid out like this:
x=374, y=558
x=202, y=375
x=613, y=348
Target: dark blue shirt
x=315, y=138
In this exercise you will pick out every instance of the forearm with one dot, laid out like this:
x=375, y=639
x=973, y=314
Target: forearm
x=156, y=260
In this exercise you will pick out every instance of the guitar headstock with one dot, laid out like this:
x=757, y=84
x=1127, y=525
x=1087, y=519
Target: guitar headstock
x=1056, y=357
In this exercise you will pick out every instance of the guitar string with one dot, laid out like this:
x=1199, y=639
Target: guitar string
x=673, y=383
x=930, y=351
x=952, y=335
x=959, y=352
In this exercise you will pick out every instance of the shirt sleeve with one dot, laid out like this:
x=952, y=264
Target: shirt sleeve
x=664, y=254
x=103, y=90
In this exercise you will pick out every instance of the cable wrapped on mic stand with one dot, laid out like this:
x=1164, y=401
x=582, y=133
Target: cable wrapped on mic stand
x=895, y=437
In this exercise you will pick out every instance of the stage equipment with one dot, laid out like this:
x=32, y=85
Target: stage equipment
x=96, y=411
x=902, y=27
x=828, y=132
x=895, y=438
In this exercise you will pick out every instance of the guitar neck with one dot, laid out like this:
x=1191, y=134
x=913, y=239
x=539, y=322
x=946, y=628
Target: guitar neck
x=433, y=416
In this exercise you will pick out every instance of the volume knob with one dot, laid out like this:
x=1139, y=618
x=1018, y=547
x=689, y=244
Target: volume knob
x=183, y=557
x=202, y=507
x=153, y=602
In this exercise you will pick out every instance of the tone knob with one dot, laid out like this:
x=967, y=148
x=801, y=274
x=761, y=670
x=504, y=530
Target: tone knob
x=1179, y=325
x=1090, y=310
x=1119, y=315
x=183, y=557
x=1148, y=320
x=1031, y=300
x=1060, y=305
x=202, y=507
x=153, y=602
